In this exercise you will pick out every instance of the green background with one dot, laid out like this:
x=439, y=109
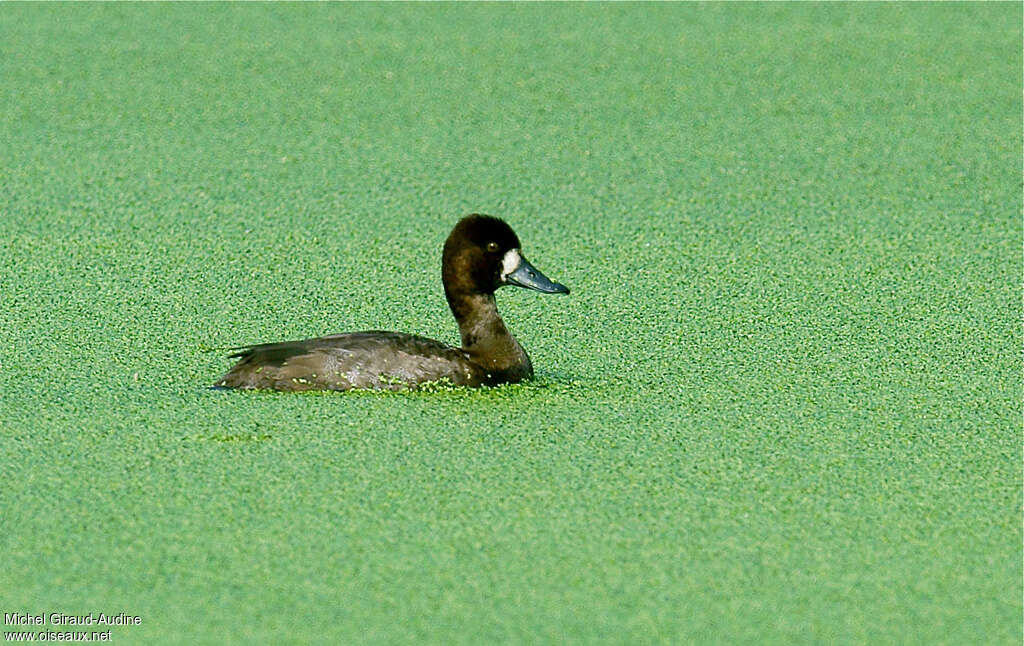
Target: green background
x=782, y=404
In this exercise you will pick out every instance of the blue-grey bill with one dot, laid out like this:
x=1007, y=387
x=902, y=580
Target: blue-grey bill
x=528, y=276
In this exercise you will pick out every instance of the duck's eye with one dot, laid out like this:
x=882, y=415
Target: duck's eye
x=492, y=246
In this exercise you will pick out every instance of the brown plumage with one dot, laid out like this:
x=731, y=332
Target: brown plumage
x=480, y=255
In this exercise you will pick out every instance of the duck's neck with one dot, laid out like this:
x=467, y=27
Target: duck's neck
x=485, y=337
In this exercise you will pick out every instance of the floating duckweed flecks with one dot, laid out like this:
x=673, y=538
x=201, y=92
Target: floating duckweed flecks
x=782, y=404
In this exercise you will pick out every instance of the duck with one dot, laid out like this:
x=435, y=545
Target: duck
x=481, y=254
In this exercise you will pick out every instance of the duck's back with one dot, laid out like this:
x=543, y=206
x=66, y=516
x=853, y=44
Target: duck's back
x=379, y=360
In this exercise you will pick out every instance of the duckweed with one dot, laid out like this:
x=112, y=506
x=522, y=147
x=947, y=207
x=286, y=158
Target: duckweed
x=782, y=404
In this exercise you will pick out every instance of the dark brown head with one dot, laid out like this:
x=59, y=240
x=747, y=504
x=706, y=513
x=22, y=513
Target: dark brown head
x=482, y=253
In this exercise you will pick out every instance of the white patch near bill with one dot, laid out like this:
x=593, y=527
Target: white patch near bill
x=510, y=262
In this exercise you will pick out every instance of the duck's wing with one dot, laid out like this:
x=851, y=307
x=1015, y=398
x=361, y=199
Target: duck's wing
x=382, y=360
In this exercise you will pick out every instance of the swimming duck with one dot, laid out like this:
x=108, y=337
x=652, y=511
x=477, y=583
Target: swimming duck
x=481, y=254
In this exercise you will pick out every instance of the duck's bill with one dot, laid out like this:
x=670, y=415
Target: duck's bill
x=528, y=276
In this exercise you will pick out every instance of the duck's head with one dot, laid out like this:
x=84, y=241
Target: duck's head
x=482, y=253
